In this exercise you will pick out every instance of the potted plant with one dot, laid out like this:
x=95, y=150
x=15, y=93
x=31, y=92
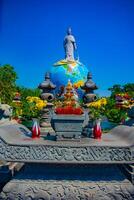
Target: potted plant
x=108, y=112
x=68, y=117
x=17, y=107
x=96, y=113
x=31, y=108
x=95, y=118
x=17, y=111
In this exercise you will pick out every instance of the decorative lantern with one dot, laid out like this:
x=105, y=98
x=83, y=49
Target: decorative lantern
x=89, y=87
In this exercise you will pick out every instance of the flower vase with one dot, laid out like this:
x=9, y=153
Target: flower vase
x=97, y=132
x=35, y=129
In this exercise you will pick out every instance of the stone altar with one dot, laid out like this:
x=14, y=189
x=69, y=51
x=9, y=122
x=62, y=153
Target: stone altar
x=116, y=147
x=68, y=170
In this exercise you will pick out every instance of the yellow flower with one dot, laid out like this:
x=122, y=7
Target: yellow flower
x=36, y=99
x=45, y=103
x=103, y=101
x=20, y=112
x=98, y=104
x=29, y=99
x=78, y=84
x=40, y=104
x=32, y=99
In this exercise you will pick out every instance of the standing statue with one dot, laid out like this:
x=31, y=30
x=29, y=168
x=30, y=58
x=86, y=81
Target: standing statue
x=69, y=45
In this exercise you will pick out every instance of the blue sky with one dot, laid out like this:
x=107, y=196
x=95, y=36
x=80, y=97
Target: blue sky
x=32, y=32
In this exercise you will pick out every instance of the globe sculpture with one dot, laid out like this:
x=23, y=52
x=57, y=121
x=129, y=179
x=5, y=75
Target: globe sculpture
x=69, y=68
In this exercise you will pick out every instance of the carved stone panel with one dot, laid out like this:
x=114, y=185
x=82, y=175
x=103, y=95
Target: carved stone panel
x=64, y=190
x=80, y=154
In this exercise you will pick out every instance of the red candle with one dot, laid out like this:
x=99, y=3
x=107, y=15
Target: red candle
x=35, y=130
x=97, y=132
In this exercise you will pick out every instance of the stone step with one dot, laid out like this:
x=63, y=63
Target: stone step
x=97, y=182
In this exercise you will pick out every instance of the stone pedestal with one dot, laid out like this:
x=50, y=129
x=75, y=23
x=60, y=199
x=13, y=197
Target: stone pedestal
x=47, y=87
x=45, y=121
x=88, y=125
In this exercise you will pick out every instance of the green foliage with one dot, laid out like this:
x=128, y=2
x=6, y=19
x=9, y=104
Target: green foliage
x=97, y=108
x=29, y=110
x=25, y=92
x=32, y=106
x=111, y=112
x=110, y=103
x=117, y=89
x=17, y=109
x=129, y=88
x=95, y=113
x=115, y=115
x=7, y=83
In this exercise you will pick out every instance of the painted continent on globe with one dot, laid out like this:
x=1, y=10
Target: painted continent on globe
x=64, y=70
